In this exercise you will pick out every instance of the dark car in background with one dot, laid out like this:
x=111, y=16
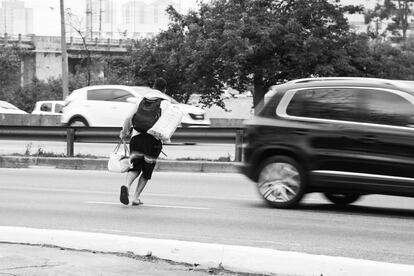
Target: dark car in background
x=343, y=137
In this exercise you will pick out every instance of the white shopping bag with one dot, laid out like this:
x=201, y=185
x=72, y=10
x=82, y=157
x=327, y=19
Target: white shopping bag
x=166, y=125
x=119, y=162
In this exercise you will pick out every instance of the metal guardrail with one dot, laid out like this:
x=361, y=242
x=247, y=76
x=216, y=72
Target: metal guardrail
x=111, y=135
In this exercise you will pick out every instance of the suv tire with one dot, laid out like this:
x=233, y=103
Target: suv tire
x=281, y=181
x=342, y=199
x=78, y=122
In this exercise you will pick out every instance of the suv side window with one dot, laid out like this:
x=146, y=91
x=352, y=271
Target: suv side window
x=46, y=107
x=115, y=95
x=120, y=95
x=59, y=108
x=99, y=95
x=387, y=108
x=326, y=103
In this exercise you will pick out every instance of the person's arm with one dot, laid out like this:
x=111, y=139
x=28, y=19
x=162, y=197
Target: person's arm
x=126, y=127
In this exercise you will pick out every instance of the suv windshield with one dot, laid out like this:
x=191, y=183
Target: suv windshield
x=7, y=105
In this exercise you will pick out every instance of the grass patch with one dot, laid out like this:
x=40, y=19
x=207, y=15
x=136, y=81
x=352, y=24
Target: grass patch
x=52, y=154
x=40, y=152
x=220, y=159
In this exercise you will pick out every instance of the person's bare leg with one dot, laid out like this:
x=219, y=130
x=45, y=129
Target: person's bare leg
x=124, y=195
x=130, y=177
x=140, y=187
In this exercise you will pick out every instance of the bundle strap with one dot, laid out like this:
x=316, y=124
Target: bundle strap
x=116, y=149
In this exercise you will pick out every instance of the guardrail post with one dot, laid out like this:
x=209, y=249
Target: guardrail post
x=239, y=146
x=70, y=138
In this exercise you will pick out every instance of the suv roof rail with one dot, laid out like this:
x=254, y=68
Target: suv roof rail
x=304, y=80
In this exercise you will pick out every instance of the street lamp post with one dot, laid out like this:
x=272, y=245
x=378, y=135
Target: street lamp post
x=65, y=82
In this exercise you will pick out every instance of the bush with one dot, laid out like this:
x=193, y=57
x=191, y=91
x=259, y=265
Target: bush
x=26, y=97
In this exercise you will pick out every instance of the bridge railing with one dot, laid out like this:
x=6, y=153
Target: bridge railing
x=11, y=38
x=108, y=42
x=7, y=38
x=71, y=135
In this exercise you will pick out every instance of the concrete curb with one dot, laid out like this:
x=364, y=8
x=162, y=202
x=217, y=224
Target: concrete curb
x=101, y=164
x=234, y=258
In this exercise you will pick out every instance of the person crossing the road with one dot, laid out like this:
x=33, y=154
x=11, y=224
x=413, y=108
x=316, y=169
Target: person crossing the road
x=144, y=148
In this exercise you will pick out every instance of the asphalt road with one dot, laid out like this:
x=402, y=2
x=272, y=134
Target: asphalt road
x=212, y=208
x=173, y=151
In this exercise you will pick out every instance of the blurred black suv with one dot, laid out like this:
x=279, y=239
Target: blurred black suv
x=344, y=137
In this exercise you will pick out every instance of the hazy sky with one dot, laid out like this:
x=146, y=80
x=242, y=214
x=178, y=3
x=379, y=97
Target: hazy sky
x=47, y=19
x=46, y=15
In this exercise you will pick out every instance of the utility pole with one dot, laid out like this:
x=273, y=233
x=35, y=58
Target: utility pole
x=134, y=14
x=89, y=18
x=100, y=18
x=5, y=16
x=65, y=82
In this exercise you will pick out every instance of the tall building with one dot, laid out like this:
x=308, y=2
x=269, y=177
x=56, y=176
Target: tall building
x=141, y=19
x=15, y=18
x=100, y=18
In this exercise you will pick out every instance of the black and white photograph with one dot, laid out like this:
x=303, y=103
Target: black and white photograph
x=207, y=137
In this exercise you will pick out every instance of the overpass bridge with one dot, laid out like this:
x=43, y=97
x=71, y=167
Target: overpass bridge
x=44, y=60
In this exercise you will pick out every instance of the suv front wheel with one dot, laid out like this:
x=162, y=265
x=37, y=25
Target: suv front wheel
x=281, y=181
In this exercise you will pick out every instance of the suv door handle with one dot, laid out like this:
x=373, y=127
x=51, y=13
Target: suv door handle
x=369, y=139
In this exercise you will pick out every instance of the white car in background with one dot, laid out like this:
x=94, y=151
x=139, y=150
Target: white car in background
x=8, y=108
x=48, y=107
x=109, y=105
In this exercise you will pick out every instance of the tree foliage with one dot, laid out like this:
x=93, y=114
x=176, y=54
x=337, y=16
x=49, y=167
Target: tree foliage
x=237, y=43
x=10, y=59
x=396, y=12
x=246, y=43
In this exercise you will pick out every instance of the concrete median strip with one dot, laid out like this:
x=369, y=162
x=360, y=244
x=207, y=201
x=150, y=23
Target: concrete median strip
x=102, y=163
x=234, y=258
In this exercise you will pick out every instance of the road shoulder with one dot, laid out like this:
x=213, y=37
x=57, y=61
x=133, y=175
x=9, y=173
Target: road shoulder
x=233, y=258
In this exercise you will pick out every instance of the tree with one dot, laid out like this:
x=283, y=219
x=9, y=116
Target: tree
x=10, y=62
x=75, y=23
x=165, y=56
x=396, y=10
x=257, y=42
x=400, y=17
x=378, y=16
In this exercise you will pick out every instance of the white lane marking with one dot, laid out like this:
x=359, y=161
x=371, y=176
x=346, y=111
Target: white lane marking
x=237, y=198
x=45, y=189
x=150, y=205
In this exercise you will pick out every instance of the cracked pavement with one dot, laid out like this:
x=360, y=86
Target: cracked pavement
x=23, y=259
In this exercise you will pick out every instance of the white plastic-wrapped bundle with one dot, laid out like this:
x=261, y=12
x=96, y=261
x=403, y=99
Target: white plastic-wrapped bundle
x=166, y=125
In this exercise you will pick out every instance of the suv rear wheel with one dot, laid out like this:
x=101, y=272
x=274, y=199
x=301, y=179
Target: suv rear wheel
x=78, y=122
x=281, y=181
x=342, y=199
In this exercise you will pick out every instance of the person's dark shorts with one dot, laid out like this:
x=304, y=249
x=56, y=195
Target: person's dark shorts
x=144, y=151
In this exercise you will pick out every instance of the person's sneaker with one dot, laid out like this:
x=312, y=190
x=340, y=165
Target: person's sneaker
x=124, y=196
